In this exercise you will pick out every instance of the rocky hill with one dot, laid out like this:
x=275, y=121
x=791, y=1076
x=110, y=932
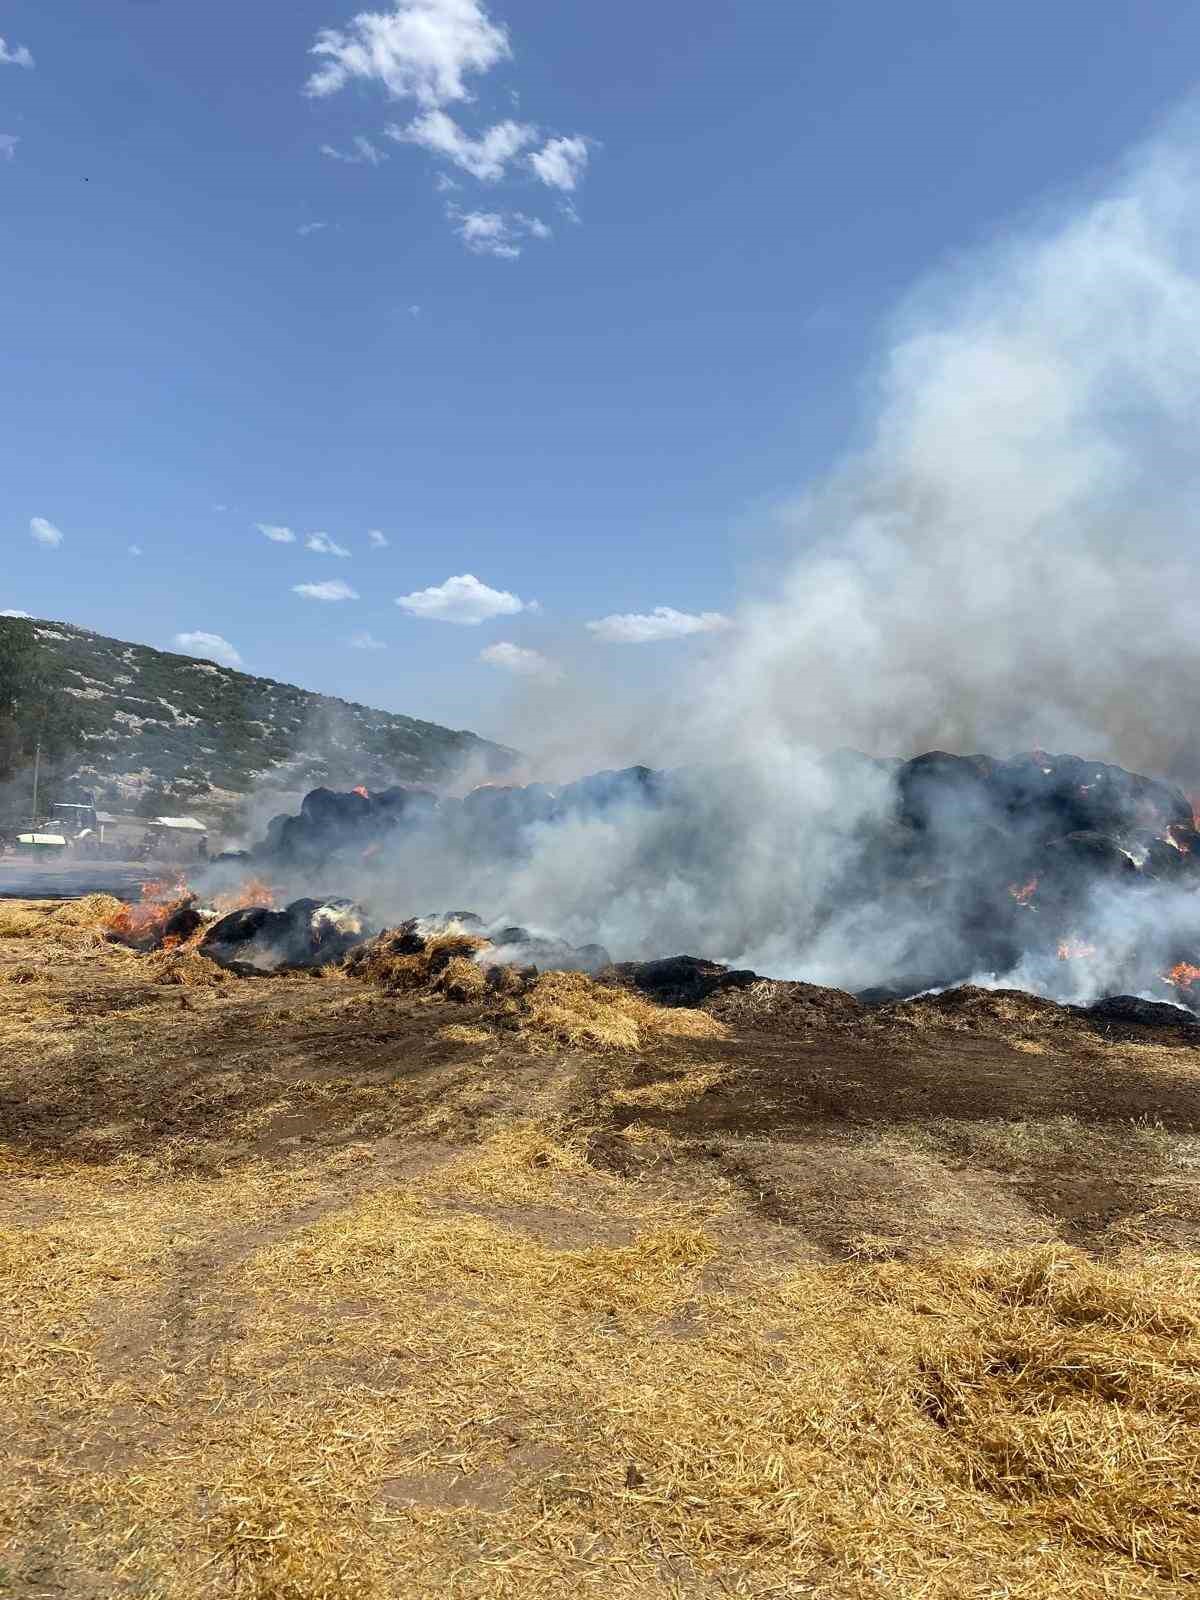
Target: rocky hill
x=162, y=730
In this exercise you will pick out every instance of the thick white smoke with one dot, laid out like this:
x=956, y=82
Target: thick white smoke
x=1007, y=564
x=1011, y=561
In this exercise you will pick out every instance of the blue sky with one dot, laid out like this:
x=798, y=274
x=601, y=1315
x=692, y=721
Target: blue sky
x=212, y=326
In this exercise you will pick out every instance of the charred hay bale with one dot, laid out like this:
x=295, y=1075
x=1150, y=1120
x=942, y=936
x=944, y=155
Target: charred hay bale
x=515, y=946
x=1065, y=794
x=969, y=1009
x=1130, y=1008
x=403, y=958
x=1088, y=856
x=400, y=803
x=183, y=922
x=305, y=935
x=938, y=791
x=777, y=1004
x=335, y=809
x=602, y=791
x=1177, y=859
x=678, y=980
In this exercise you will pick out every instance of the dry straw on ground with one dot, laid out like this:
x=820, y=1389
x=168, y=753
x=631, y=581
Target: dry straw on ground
x=81, y=921
x=568, y=1008
x=496, y=1365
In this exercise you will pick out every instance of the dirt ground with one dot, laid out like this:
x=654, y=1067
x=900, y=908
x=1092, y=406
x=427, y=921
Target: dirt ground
x=314, y=1290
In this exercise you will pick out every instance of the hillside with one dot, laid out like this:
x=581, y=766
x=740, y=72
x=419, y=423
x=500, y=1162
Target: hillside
x=160, y=728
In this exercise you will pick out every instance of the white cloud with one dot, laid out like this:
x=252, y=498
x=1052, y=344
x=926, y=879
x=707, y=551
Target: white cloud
x=523, y=663
x=332, y=589
x=664, y=622
x=485, y=157
x=496, y=233
x=8, y=146
x=321, y=544
x=210, y=646
x=423, y=50
x=364, y=153
x=379, y=540
x=306, y=228
x=135, y=549
x=463, y=600
x=561, y=163
x=44, y=532
x=276, y=534
x=366, y=641
x=13, y=612
x=444, y=183
x=17, y=56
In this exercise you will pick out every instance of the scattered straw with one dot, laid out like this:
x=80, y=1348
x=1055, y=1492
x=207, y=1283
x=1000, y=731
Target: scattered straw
x=672, y=1093
x=572, y=1009
x=189, y=969
x=464, y=1033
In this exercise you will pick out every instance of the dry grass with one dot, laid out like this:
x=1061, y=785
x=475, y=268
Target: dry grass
x=567, y=1008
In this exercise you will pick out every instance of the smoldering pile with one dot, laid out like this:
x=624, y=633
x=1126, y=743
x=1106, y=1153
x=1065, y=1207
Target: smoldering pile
x=1070, y=878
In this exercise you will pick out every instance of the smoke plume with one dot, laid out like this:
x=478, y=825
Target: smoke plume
x=1008, y=563
x=1004, y=565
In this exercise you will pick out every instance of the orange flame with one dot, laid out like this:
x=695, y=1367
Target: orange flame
x=1075, y=950
x=1182, y=976
x=142, y=919
x=1023, y=893
x=250, y=892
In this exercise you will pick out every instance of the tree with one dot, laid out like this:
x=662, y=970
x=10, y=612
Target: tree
x=33, y=710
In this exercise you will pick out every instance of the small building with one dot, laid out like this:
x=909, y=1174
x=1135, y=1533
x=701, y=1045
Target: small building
x=160, y=838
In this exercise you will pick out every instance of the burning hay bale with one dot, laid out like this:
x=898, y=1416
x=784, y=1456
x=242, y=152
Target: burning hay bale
x=420, y=952
x=518, y=947
x=569, y=1008
x=926, y=873
x=305, y=935
x=407, y=958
